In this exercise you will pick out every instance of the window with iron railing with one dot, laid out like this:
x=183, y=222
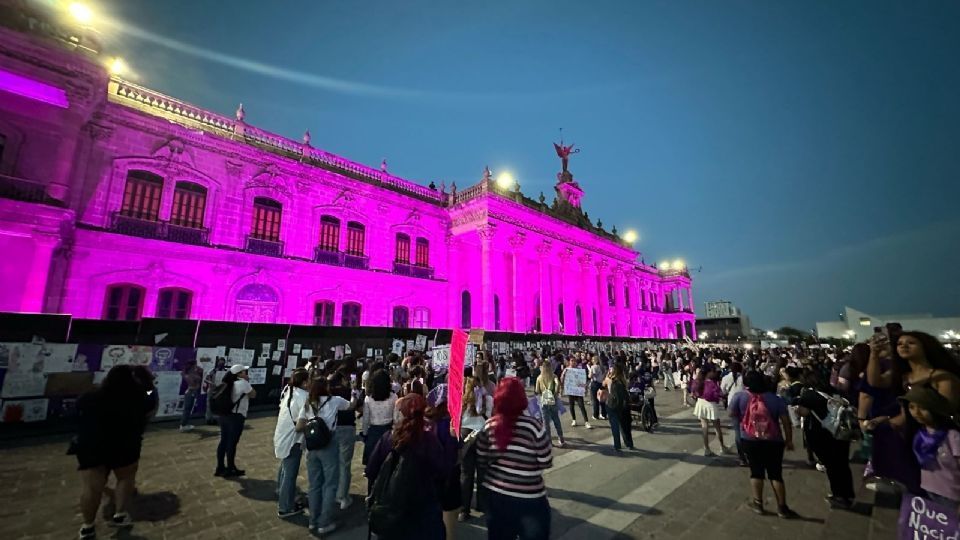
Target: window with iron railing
x=350, y=314
x=124, y=302
x=423, y=252
x=266, y=219
x=189, y=204
x=329, y=234
x=421, y=317
x=401, y=317
x=355, y=238
x=141, y=196
x=323, y=313
x=402, y=249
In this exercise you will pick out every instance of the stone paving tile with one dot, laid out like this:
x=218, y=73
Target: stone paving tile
x=179, y=497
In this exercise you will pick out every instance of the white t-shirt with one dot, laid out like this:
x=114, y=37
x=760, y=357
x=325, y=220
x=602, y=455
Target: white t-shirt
x=285, y=435
x=730, y=387
x=241, y=389
x=328, y=410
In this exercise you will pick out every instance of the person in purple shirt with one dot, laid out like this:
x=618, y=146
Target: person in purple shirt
x=764, y=441
x=416, y=437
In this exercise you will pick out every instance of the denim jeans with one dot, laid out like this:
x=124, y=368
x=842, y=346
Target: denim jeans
x=231, y=428
x=620, y=422
x=189, y=399
x=552, y=413
x=208, y=413
x=322, y=470
x=287, y=479
x=514, y=517
x=574, y=401
x=345, y=437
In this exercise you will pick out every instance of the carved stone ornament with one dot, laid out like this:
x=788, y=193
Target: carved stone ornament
x=487, y=231
x=270, y=178
x=544, y=247
x=98, y=132
x=518, y=239
x=344, y=198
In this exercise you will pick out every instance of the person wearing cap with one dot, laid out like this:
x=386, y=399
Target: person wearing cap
x=936, y=444
x=231, y=425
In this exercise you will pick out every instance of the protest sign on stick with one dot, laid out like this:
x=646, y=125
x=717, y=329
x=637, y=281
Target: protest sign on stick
x=458, y=349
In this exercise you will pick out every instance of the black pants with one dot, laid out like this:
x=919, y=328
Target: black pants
x=470, y=477
x=835, y=456
x=653, y=410
x=765, y=458
x=512, y=518
x=577, y=400
x=231, y=428
x=620, y=424
x=599, y=407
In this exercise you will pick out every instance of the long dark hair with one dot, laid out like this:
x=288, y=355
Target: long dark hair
x=859, y=357
x=411, y=426
x=380, y=385
x=120, y=385
x=936, y=354
x=299, y=377
x=318, y=389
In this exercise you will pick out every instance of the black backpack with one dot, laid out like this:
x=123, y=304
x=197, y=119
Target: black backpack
x=617, y=397
x=395, y=494
x=221, y=399
x=317, y=434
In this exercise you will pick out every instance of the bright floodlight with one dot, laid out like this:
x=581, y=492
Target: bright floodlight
x=664, y=266
x=81, y=12
x=748, y=346
x=630, y=236
x=678, y=265
x=118, y=66
x=704, y=335
x=505, y=180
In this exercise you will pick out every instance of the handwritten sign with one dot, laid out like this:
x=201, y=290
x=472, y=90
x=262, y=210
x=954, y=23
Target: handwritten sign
x=575, y=382
x=440, y=357
x=922, y=518
x=421, y=343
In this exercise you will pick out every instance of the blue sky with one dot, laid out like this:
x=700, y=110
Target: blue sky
x=806, y=155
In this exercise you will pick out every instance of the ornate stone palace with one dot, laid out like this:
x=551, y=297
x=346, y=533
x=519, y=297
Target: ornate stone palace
x=119, y=202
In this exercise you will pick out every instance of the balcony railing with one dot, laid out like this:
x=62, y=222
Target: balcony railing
x=24, y=190
x=158, y=230
x=135, y=226
x=323, y=256
x=412, y=270
x=359, y=262
x=261, y=246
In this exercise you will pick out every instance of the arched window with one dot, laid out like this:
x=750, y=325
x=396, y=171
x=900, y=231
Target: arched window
x=536, y=313
x=626, y=296
x=141, y=196
x=402, y=249
x=124, y=302
x=611, y=294
x=350, y=314
x=401, y=317
x=355, y=238
x=465, y=309
x=421, y=317
x=596, y=325
x=560, y=316
x=323, y=313
x=329, y=234
x=423, y=252
x=174, y=303
x=189, y=205
x=496, y=312
x=579, y=320
x=266, y=219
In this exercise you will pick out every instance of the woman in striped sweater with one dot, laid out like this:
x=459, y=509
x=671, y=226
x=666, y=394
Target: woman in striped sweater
x=513, y=449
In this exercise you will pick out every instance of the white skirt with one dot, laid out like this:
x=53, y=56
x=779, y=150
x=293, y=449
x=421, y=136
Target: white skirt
x=706, y=410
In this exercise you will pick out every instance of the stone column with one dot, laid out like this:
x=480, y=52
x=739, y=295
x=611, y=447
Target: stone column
x=690, y=299
x=486, y=233
x=603, y=297
x=588, y=293
x=635, y=304
x=618, y=311
x=567, y=293
x=517, y=297
x=35, y=286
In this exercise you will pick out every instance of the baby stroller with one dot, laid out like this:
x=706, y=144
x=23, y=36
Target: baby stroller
x=641, y=412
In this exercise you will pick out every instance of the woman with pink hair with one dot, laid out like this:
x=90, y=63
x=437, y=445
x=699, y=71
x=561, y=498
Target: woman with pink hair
x=513, y=449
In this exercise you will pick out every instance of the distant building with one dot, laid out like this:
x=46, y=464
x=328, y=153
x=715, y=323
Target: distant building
x=858, y=325
x=723, y=321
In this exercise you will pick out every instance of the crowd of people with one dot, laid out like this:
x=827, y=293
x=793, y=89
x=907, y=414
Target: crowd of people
x=902, y=390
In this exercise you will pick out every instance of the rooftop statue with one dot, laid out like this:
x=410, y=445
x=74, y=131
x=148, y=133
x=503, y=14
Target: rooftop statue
x=563, y=152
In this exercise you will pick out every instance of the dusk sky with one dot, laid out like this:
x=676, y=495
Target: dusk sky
x=806, y=154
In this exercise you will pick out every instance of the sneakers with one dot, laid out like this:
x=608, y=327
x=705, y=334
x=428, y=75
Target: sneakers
x=757, y=506
x=121, y=520
x=345, y=503
x=708, y=453
x=186, y=428
x=560, y=444
x=232, y=472
x=785, y=512
x=573, y=424
x=595, y=417
x=329, y=528
x=839, y=503
x=284, y=515
x=821, y=468
x=463, y=516
x=725, y=450
x=88, y=532
x=587, y=425
x=603, y=417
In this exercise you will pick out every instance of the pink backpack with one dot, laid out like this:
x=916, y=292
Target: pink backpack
x=757, y=423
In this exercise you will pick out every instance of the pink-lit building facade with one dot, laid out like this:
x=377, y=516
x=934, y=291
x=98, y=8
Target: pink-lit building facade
x=119, y=202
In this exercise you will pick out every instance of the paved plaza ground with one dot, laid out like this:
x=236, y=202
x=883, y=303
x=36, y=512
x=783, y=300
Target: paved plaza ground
x=667, y=489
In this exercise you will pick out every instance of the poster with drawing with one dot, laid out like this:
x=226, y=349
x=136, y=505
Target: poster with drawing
x=24, y=358
x=168, y=393
x=397, y=347
x=575, y=382
x=121, y=355
x=206, y=358
x=24, y=410
x=258, y=375
x=59, y=357
x=29, y=384
x=243, y=357
x=421, y=342
x=163, y=358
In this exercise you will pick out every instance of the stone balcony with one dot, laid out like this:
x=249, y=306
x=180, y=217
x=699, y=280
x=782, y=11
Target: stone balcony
x=21, y=189
x=158, y=230
x=262, y=246
x=406, y=269
x=337, y=258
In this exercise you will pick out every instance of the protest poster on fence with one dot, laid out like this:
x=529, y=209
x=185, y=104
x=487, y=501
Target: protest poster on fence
x=458, y=349
x=922, y=518
x=440, y=357
x=575, y=382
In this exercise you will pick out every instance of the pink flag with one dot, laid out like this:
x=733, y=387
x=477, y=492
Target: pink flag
x=458, y=349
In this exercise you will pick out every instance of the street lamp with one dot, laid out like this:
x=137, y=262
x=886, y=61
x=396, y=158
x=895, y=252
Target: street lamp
x=81, y=12
x=505, y=180
x=118, y=66
x=630, y=236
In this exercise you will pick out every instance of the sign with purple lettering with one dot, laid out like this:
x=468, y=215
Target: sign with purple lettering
x=921, y=518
